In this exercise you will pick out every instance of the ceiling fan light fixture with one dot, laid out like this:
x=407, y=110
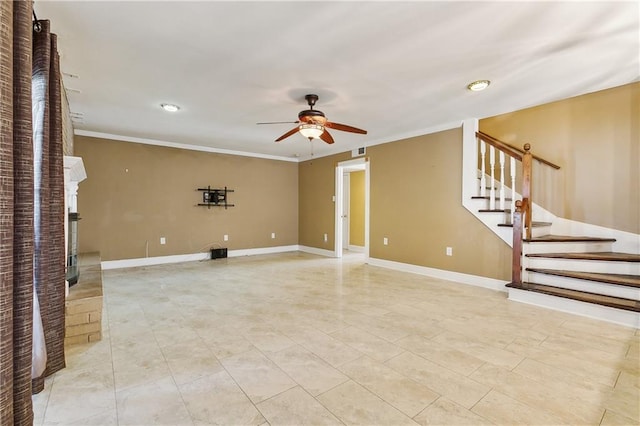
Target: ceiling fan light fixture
x=478, y=85
x=311, y=130
x=170, y=107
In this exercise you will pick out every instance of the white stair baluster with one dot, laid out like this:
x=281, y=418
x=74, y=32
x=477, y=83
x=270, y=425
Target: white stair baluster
x=483, y=179
x=512, y=171
x=492, y=165
x=501, y=180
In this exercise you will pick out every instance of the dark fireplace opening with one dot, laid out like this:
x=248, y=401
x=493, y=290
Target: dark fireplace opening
x=72, y=258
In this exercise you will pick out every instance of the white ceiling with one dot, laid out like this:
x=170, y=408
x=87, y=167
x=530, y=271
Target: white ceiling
x=397, y=69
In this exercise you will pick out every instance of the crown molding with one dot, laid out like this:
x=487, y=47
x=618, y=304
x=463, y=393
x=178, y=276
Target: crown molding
x=190, y=147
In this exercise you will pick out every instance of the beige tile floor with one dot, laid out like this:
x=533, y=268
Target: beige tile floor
x=295, y=339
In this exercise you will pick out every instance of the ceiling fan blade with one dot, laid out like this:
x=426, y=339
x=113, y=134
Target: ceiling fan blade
x=280, y=122
x=325, y=136
x=345, y=128
x=289, y=133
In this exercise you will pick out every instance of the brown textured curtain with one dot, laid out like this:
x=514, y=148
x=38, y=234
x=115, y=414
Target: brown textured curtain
x=16, y=213
x=49, y=272
x=31, y=206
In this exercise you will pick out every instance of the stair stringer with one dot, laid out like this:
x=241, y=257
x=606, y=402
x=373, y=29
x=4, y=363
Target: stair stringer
x=492, y=219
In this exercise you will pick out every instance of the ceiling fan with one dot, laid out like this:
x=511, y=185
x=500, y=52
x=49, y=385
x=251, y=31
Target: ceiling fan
x=313, y=124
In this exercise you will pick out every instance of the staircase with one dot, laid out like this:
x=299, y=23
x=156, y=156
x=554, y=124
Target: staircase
x=579, y=274
x=582, y=275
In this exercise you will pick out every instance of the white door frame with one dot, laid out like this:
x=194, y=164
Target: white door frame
x=361, y=163
x=346, y=209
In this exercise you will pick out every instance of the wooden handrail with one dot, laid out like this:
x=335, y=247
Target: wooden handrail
x=501, y=146
x=510, y=149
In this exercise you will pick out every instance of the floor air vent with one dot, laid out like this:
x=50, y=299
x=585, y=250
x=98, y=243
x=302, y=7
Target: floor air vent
x=218, y=253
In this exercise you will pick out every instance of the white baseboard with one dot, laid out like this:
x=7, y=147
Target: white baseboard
x=357, y=249
x=179, y=258
x=318, y=251
x=459, y=277
x=262, y=250
x=149, y=261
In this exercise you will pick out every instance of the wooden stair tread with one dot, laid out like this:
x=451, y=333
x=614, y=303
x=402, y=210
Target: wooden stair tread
x=619, y=279
x=569, y=239
x=487, y=197
x=604, y=255
x=494, y=210
x=582, y=296
x=533, y=224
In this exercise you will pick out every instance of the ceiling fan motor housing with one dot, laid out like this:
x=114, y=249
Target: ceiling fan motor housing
x=310, y=114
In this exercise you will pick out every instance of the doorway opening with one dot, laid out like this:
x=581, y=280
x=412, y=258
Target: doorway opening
x=352, y=208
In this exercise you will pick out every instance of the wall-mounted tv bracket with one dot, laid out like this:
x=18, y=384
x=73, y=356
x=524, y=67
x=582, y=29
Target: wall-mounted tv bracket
x=213, y=197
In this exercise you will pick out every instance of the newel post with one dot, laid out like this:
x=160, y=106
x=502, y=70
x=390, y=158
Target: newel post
x=526, y=188
x=516, y=263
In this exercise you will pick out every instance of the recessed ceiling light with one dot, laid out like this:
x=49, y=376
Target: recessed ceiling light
x=478, y=85
x=170, y=107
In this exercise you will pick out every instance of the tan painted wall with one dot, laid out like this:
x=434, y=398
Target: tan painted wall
x=123, y=210
x=415, y=202
x=595, y=138
x=356, y=208
x=316, y=208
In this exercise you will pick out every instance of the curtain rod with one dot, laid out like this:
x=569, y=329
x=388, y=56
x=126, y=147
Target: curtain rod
x=36, y=24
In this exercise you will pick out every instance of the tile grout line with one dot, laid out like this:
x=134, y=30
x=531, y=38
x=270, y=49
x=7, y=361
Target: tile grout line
x=240, y=387
x=46, y=405
x=173, y=378
x=604, y=412
x=113, y=368
x=380, y=396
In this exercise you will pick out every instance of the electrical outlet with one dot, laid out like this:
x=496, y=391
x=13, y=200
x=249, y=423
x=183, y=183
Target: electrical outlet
x=385, y=241
x=163, y=240
x=326, y=238
x=273, y=235
x=225, y=237
x=333, y=198
x=449, y=251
